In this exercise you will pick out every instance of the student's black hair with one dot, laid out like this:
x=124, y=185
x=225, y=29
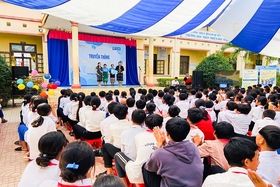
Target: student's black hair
x=198, y=95
x=260, y=85
x=143, y=97
x=33, y=91
x=178, y=129
x=209, y=104
x=183, y=96
x=151, y=107
x=224, y=130
x=155, y=92
x=110, y=92
x=138, y=116
x=174, y=111
x=123, y=94
x=230, y=95
x=262, y=100
x=75, y=162
x=205, y=92
x=168, y=99
x=116, y=92
x=242, y=90
x=50, y=145
x=92, y=94
x=109, y=97
x=95, y=102
x=195, y=115
x=87, y=100
x=192, y=91
x=249, y=99
x=144, y=91
x=111, y=107
x=243, y=108
x=132, y=93
x=81, y=97
x=130, y=102
x=26, y=99
x=160, y=93
x=37, y=100
x=171, y=92
x=74, y=97
x=108, y=181
x=166, y=90
x=199, y=103
x=238, y=149
x=273, y=98
x=149, y=97
x=63, y=92
x=239, y=97
x=269, y=113
x=271, y=134
x=153, y=120
x=102, y=94
x=212, y=96
x=231, y=105
x=140, y=104
x=183, y=90
x=69, y=92
x=120, y=111
x=131, y=88
x=139, y=91
x=150, y=90
x=43, y=109
x=253, y=94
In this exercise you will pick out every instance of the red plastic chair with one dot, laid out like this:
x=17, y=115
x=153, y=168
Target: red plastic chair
x=97, y=143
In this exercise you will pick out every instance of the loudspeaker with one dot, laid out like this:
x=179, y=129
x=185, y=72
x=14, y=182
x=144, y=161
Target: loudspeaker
x=20, y=71
x=197, y=79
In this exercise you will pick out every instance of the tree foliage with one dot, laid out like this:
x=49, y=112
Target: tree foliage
x=5, y=82
x=210, y=64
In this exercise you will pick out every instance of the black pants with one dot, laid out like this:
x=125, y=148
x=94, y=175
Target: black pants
x=109, y=152
x=251, y=126
x=80, y=131
x=151, y=179
x=120, y=161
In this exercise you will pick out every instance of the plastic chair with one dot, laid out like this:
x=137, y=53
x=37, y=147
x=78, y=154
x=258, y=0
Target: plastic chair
x=97, y=143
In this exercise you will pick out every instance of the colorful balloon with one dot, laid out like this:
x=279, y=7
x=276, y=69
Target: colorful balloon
x=57, y=83
x=21, y=86
x=54, y=86
x=43, y=94
x=29, y=84
x=44, y=85
x=34, y=72
x=19, y=81
x=47, y=76
x=36, y=87
x=51, y=92
x=49, y=86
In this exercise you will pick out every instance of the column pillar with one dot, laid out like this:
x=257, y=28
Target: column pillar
x=150, y=81
x=75, y=55
x=175, y=59
x=45, y=52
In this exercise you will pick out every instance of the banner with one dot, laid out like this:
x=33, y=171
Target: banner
x=162, y=53
x=249, y=78
x=267, y=77
x=90, y=53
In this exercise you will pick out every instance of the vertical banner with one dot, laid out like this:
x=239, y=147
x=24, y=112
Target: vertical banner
x=90, y=53
x=249, y=78
x=162, y=53
x=267, y=77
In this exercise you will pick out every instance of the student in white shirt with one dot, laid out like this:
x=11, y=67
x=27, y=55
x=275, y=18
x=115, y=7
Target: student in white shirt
x=194, y=116
x=145, y=145
x=102, y=95
x=106, y=123
x=116, y=129
x=76, y=163
x=257, y=112
x=25, y=106
x=140, y=104
x=173, y=112
x=191, y=96
x=230, y=108
x=71, y=109
x=158, y=99
x=116, y=96
x=267, y=119
x=138, y=95
x=168, y=100
x=92, y=122
x=83, y=110
x=150, y=108
x=241, y=154
x=175, y=82
x=198, y=95
x=130, y=103
x=268, y=140
x=40, y=126
x=210, y=109
x=45, y=166
x=183, y=104
x=221, y=106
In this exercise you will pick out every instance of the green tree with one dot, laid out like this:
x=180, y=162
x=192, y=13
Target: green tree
x=210, y=64
x=5, y=82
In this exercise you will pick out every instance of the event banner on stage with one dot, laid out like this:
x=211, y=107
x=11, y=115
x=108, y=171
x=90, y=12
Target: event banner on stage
x=90, y=53
x=249, y=78
x=267, y=77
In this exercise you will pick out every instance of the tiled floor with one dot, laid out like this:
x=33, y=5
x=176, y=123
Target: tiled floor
x=12, y=163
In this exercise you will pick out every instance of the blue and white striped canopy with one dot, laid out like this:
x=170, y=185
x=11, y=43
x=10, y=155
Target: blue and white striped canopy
x=251, y=24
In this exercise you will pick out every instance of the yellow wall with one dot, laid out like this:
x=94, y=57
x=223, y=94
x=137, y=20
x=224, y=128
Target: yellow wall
x=195, y=57
x=6, y=39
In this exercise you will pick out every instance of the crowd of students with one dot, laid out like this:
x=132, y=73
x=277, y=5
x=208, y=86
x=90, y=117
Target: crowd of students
x=201, y=137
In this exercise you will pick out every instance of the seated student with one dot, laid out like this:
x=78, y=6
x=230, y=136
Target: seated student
x=116, y=129
x=59, y=111
x=267, y=119
x=242, y=154
x=39, y=126
x=25, y=107
x=109, y=99
x=45, y=166
x=108, y=181
x=174, y=83
x=183, y=104
x=230, y=107
x=240, y=120
x=102, y=98
x=1, y=113
x=140, y=104
x=150, y=108
x=83, y=110
x=71, y=109
x=209, y=108
x=130, y=102
x=170, y=163
x=214, y=148
x=173, y=112
x=76, y=163
x=194, y=116
x=257, y=112
x=158, y=99
x=105, y=123
x=268, y=141
x=92, y=122
x=167, y=101
x=198, y=95
x=145, y=143
x=221, y=106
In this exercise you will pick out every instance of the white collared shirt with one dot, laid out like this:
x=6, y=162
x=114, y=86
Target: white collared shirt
x=71, y=109
x=63, y=102
x=192, y=102
x=93, y=119
x=82, y=112
x=51, y=183
x=260, y=123
x=222, y=105
x=129, y=111
x=212, y=114
x=105, y=127
x=222, y=116
x=240, y=122
x=116, y=131
x=194, y=130
x=102, y=106
x=184, y=107
x=174, y=82
x=33, y=175
x=256, y=113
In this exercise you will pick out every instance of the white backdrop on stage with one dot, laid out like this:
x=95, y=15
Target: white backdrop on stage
x=90, y=53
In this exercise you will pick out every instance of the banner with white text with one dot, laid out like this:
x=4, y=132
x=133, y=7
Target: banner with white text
x=90, y=53
x=267, y=77
x=249, y=78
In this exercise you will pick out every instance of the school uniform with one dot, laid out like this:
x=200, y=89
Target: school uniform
x=82, y=112
x=194, y=130
x=184, y=107
x=222, y=116
x=222, y=105
x=137, y=96
x=240, y=122
x=256, y=113
x=212, y=114
x=35, y=133
x=115, y=131
x=163, y=127
x=165, y=109
x=33, y=175
x=190, y=98
x=63, y=102
x=130, y=111
x=277, y=117
x=102, y=104
x=158, y=101
x=192, y=102
x=71, y=109
x=105, y=127
x=260, y=123
x=80, y=183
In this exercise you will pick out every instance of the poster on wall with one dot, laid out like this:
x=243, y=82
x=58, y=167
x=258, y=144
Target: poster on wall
x=90, y=53
x=162, y=53
x=267, y=77
x=249, y=78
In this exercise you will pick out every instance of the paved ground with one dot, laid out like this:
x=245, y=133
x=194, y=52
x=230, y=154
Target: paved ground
x=12, y=163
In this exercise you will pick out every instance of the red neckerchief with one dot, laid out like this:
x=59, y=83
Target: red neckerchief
x=149, y=130
x=238, y=172
x=67, y=185
x=224, y=140
x=52, y=164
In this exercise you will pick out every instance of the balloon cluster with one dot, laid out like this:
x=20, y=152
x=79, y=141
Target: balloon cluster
x=51, y=87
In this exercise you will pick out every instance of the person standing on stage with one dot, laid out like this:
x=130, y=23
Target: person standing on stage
x=105, y=74
x=99, y=73
x=187, y=79
x=120, y=70
x=112, y=74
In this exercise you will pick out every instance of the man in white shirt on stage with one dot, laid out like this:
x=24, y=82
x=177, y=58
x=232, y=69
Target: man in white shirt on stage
x=174, y=83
